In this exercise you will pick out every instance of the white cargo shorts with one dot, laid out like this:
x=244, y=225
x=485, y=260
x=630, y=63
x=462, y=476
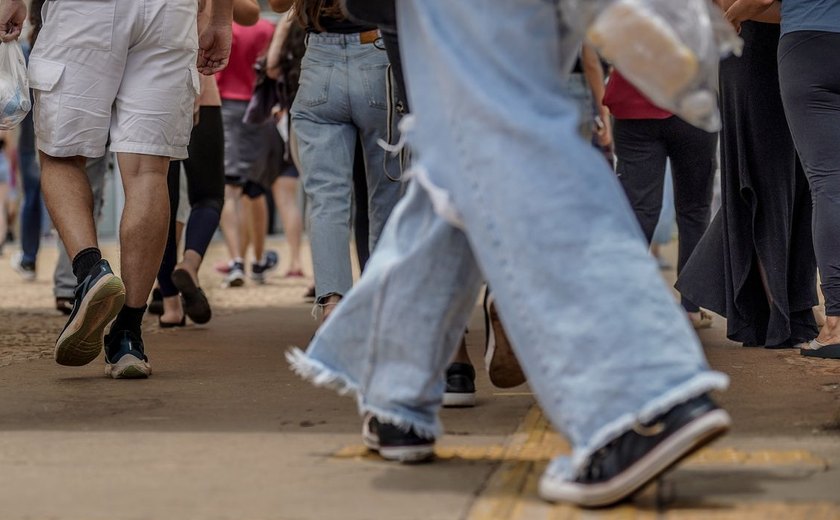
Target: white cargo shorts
x=124, y=69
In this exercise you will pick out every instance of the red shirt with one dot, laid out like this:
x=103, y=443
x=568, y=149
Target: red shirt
x=626, y=102
x=249, y=43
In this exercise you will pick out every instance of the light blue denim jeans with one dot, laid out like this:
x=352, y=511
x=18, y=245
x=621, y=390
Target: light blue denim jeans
x=505, y=189
x=342, y=96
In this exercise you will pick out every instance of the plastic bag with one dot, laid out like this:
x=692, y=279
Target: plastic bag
x=669, y=49
x=14, y=86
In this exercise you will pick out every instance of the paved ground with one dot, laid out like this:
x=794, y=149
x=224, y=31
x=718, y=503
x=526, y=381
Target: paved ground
x=225, y=431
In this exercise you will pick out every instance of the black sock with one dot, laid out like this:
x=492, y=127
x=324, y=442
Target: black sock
x=130, y=319
x=84, y=262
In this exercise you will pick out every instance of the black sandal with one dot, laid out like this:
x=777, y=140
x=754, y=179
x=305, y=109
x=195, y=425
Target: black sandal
x=818, y=350
x=170, y=325
x=196, y=305
x=64, y=305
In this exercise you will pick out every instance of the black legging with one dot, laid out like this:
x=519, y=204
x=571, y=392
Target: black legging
x=643, y=146
x=206, y=188
x=809, y=74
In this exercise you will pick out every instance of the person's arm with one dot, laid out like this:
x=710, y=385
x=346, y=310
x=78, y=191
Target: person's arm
x=739, y=11
x=281, y=6
x=594, y=74
x=12, y=16
x=768, y=11
x=272, y=59
x=215, y=39
x=246, y=12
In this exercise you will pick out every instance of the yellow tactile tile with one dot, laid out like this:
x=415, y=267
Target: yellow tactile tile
x=511, y=492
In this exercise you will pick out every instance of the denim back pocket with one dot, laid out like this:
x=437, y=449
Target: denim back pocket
x=314, y=86
x=374, y=77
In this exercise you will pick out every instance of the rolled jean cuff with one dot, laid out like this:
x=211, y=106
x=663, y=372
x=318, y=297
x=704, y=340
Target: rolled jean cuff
x=694, y=387
x=321, y=375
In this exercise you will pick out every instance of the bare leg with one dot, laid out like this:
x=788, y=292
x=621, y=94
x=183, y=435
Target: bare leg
x=4, y=221
x=231, y=221
x=173, y=311
x=285, y=194
x=69, y=200
x=144, y=224
x=257, y=209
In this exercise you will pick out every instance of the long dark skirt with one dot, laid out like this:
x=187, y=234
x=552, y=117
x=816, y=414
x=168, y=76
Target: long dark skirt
x=763, y=229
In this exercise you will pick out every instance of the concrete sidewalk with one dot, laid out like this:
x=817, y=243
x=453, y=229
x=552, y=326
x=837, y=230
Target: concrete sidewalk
x=223, y=430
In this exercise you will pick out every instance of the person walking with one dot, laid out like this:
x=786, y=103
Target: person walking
x=342, y=97
x=646, y=138
x=97, y=71
x=630, y=393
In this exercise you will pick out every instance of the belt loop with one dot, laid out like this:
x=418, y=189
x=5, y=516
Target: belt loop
x=306, y=39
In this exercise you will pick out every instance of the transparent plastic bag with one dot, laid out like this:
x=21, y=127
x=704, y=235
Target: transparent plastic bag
x=14, y=86
x=669, y=49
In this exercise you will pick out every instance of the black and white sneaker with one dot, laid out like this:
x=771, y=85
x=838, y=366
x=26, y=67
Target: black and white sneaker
x=460, y=386
x=235, y=277
x=98, y=300
x=395, y=443
x=125, y=357
x=268, y=264
x=631, y=461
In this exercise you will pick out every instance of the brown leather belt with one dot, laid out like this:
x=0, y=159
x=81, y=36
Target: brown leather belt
x=369, y=36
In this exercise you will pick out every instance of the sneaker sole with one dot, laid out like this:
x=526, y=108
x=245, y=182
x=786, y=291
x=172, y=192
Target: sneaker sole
x=458, y=400
x=82, y=340
x=668, y=453
x=407, y=454
x=236, y=282
x=503, y=367
x=128, y=367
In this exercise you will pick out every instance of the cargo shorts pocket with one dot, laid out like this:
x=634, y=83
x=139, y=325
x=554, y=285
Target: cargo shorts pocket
x=83, y=24
x=44, y=75
x=183, y=128
x=179, y=29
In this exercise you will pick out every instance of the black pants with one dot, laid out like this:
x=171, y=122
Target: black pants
x=206, y=188
x=809, y=74
x=643, y=146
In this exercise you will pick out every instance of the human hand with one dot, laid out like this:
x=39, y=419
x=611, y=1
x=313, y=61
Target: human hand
x=12, y=15
x=603, y=129
x=214, y=48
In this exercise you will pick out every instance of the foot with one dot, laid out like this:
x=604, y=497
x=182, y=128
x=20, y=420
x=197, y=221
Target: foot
x=64, y=305
x=261, y=269
x=830, y=331
x=125, y=357
x=460, y=386
x=26, y=270
x=502, y=366
x=700, y=320
x=196, y=305
x=236, y=276
x=98, y=300
x=639, y=456
x=395, y=443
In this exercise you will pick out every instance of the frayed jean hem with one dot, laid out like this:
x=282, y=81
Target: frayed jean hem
x=322, y=376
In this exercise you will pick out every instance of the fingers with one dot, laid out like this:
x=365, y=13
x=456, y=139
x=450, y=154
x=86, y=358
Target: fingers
x=209, y=64
x=11, y=36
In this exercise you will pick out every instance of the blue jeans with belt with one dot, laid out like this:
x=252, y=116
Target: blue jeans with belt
x=342, y=97
x=504, y=189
